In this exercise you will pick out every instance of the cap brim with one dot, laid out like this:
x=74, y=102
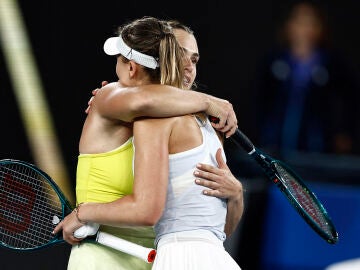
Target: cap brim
x=111, y=46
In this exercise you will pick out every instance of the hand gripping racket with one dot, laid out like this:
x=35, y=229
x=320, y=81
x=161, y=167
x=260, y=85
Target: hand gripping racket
x=31, y=204
x=290, y=184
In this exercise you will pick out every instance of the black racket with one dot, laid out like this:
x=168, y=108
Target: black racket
x=31, y=205
x=291, y=185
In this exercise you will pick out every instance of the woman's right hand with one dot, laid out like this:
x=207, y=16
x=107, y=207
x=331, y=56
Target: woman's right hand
x=223, y=111
x=93, y=92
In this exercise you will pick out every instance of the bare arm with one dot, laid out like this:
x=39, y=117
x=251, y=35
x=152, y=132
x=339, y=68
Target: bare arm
x=166, y=101
x=145, y=205
x=222, y=184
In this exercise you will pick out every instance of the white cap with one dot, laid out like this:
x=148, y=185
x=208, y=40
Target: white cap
x=116, y=45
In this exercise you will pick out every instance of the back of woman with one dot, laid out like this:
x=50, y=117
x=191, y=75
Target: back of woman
x=193, y=140
x=147, y=53
x=190, y=231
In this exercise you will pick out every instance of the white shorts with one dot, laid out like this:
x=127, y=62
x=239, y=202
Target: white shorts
x=192, y=250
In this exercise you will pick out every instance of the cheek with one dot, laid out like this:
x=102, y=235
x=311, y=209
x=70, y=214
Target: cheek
x=117, y=69
x=117, y=72
x=193, y=74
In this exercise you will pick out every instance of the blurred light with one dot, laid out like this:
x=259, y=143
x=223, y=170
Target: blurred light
x=29, y=93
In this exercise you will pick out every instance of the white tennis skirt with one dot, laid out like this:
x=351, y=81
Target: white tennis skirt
x=192, y=250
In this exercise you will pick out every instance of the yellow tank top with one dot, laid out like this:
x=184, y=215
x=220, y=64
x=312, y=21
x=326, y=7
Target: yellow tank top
x=105, y=177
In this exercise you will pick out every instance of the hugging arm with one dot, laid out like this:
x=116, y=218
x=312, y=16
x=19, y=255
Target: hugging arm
x=156, y=100
x=145, y=205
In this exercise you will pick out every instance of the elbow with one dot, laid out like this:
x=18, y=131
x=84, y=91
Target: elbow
x=140, y=106
x=149, y=221
x=151, y=217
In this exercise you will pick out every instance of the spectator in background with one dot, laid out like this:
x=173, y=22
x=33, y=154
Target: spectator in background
x=305, y=91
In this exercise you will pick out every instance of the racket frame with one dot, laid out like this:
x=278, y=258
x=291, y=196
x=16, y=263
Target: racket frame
x=268, y=164
x=144, y=253
x=66, y=207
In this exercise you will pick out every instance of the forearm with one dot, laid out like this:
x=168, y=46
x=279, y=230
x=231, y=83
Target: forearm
x=147, y=201
x=166, y=101
x=235, y=209
x=129, y=103
x=125, y=211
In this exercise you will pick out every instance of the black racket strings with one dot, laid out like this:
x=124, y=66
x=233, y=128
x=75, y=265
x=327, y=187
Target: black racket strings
x=25, y=224
x=305, y=199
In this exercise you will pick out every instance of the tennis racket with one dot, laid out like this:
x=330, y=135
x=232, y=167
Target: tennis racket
x=31, y=205
x=291, y=185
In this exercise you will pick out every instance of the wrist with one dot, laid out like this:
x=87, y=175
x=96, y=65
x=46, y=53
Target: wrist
x=77, y=213
x=214, y=107
x=238, y=194
x=205, y=101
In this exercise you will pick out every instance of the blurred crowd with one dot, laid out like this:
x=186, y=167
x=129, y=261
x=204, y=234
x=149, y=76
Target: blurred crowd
x=307, y=91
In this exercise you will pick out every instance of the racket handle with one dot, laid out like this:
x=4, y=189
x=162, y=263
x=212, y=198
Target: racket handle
x=86, y=230
x=238, y=137
x=144, y=253
x=242, y=140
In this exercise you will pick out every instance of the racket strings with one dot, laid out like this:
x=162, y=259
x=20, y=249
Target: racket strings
x=28, y=205
x=305, y=199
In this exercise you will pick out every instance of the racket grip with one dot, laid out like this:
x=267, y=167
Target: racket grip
x=86, y=230
x=144, y=253
x=238, y=137
x=242, y=140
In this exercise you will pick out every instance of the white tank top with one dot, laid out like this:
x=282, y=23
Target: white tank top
x=186, y=207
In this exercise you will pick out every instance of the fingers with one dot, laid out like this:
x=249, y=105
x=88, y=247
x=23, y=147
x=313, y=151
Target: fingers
x=67, y=235
x=90, y=100
x=67, y=227
x=219, y=181
x=89, y=104
x=72, y=240
x=204, y=168
x=231, y=132
x=213, y=188
x=225, y=121
x=209, y=176
x=231, y=125
x=212, y=169
x=219, y=159
x=58, y=228
x=94, y=92
x=103, y=83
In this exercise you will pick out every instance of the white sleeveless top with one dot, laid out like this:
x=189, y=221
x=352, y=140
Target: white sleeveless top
x=186, y=207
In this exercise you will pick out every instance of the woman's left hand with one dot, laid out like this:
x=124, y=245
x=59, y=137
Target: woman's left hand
x=220, y=181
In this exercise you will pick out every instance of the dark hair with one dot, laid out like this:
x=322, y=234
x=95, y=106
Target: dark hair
x=154, y=37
